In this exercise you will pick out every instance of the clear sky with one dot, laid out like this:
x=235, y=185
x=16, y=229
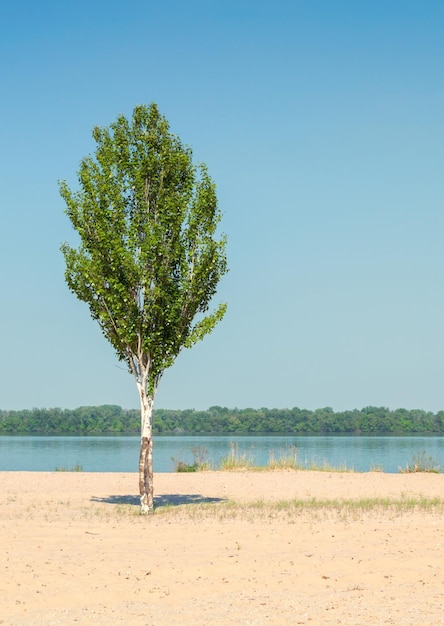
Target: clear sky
x=322, y=125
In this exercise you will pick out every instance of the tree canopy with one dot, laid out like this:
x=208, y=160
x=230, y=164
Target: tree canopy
x=148, y=262
x=222, y=420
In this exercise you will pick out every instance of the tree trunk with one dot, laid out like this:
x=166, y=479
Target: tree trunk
x=146, y=489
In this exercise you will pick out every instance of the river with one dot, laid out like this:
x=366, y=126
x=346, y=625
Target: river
x=120, y=453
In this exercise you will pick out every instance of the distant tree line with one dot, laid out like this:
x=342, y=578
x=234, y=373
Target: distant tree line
x=109, y=419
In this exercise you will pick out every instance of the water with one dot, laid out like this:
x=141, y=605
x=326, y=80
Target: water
x=121, y=453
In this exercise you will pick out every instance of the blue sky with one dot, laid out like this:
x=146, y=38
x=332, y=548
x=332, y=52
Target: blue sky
x=322, y=125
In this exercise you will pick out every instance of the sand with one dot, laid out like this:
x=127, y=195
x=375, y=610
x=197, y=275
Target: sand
x=75, y=551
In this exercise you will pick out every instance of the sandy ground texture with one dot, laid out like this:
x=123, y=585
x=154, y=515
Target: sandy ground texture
x=222, y=548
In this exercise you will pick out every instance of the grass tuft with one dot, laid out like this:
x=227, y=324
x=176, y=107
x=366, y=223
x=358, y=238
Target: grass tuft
x=236, y=460
x=288, y=458
x=76, y=468
x=421, y=462
x=201, y=463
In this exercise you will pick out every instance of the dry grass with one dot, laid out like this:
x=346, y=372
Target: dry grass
x=77, y=468
x=291, y=510
x=421, y=462
x=236, y=460
x=288, y=458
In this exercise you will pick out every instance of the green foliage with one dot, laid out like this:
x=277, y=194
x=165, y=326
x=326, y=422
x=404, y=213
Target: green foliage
x=86, y=420
x=148, y=262
x=183, y=467
x=220, y=420
x=369, y=420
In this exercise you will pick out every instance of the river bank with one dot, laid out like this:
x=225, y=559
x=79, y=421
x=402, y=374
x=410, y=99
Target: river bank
x=222, y=548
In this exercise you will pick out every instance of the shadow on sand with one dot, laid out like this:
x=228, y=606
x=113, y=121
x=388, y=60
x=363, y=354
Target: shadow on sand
x=165, y=500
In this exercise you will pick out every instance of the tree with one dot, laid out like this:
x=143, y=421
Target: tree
x=149, y=260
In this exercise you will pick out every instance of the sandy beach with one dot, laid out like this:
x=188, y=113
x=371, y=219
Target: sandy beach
x=222, y=548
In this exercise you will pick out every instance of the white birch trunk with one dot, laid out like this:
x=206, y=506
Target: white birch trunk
x=146, y=452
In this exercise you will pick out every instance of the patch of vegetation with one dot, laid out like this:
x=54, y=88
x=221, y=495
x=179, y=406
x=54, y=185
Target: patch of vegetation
x=222, y=420
x=376, y=468
x=201, y=463
x=421, y=462
x=319, y=509
x=287, y=458
x=76, y=468
x=236, y=460
x=323, y=466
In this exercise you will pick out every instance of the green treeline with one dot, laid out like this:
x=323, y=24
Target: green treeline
x=89, y=420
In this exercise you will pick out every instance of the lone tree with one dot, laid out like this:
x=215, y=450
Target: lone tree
x=149, y=260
